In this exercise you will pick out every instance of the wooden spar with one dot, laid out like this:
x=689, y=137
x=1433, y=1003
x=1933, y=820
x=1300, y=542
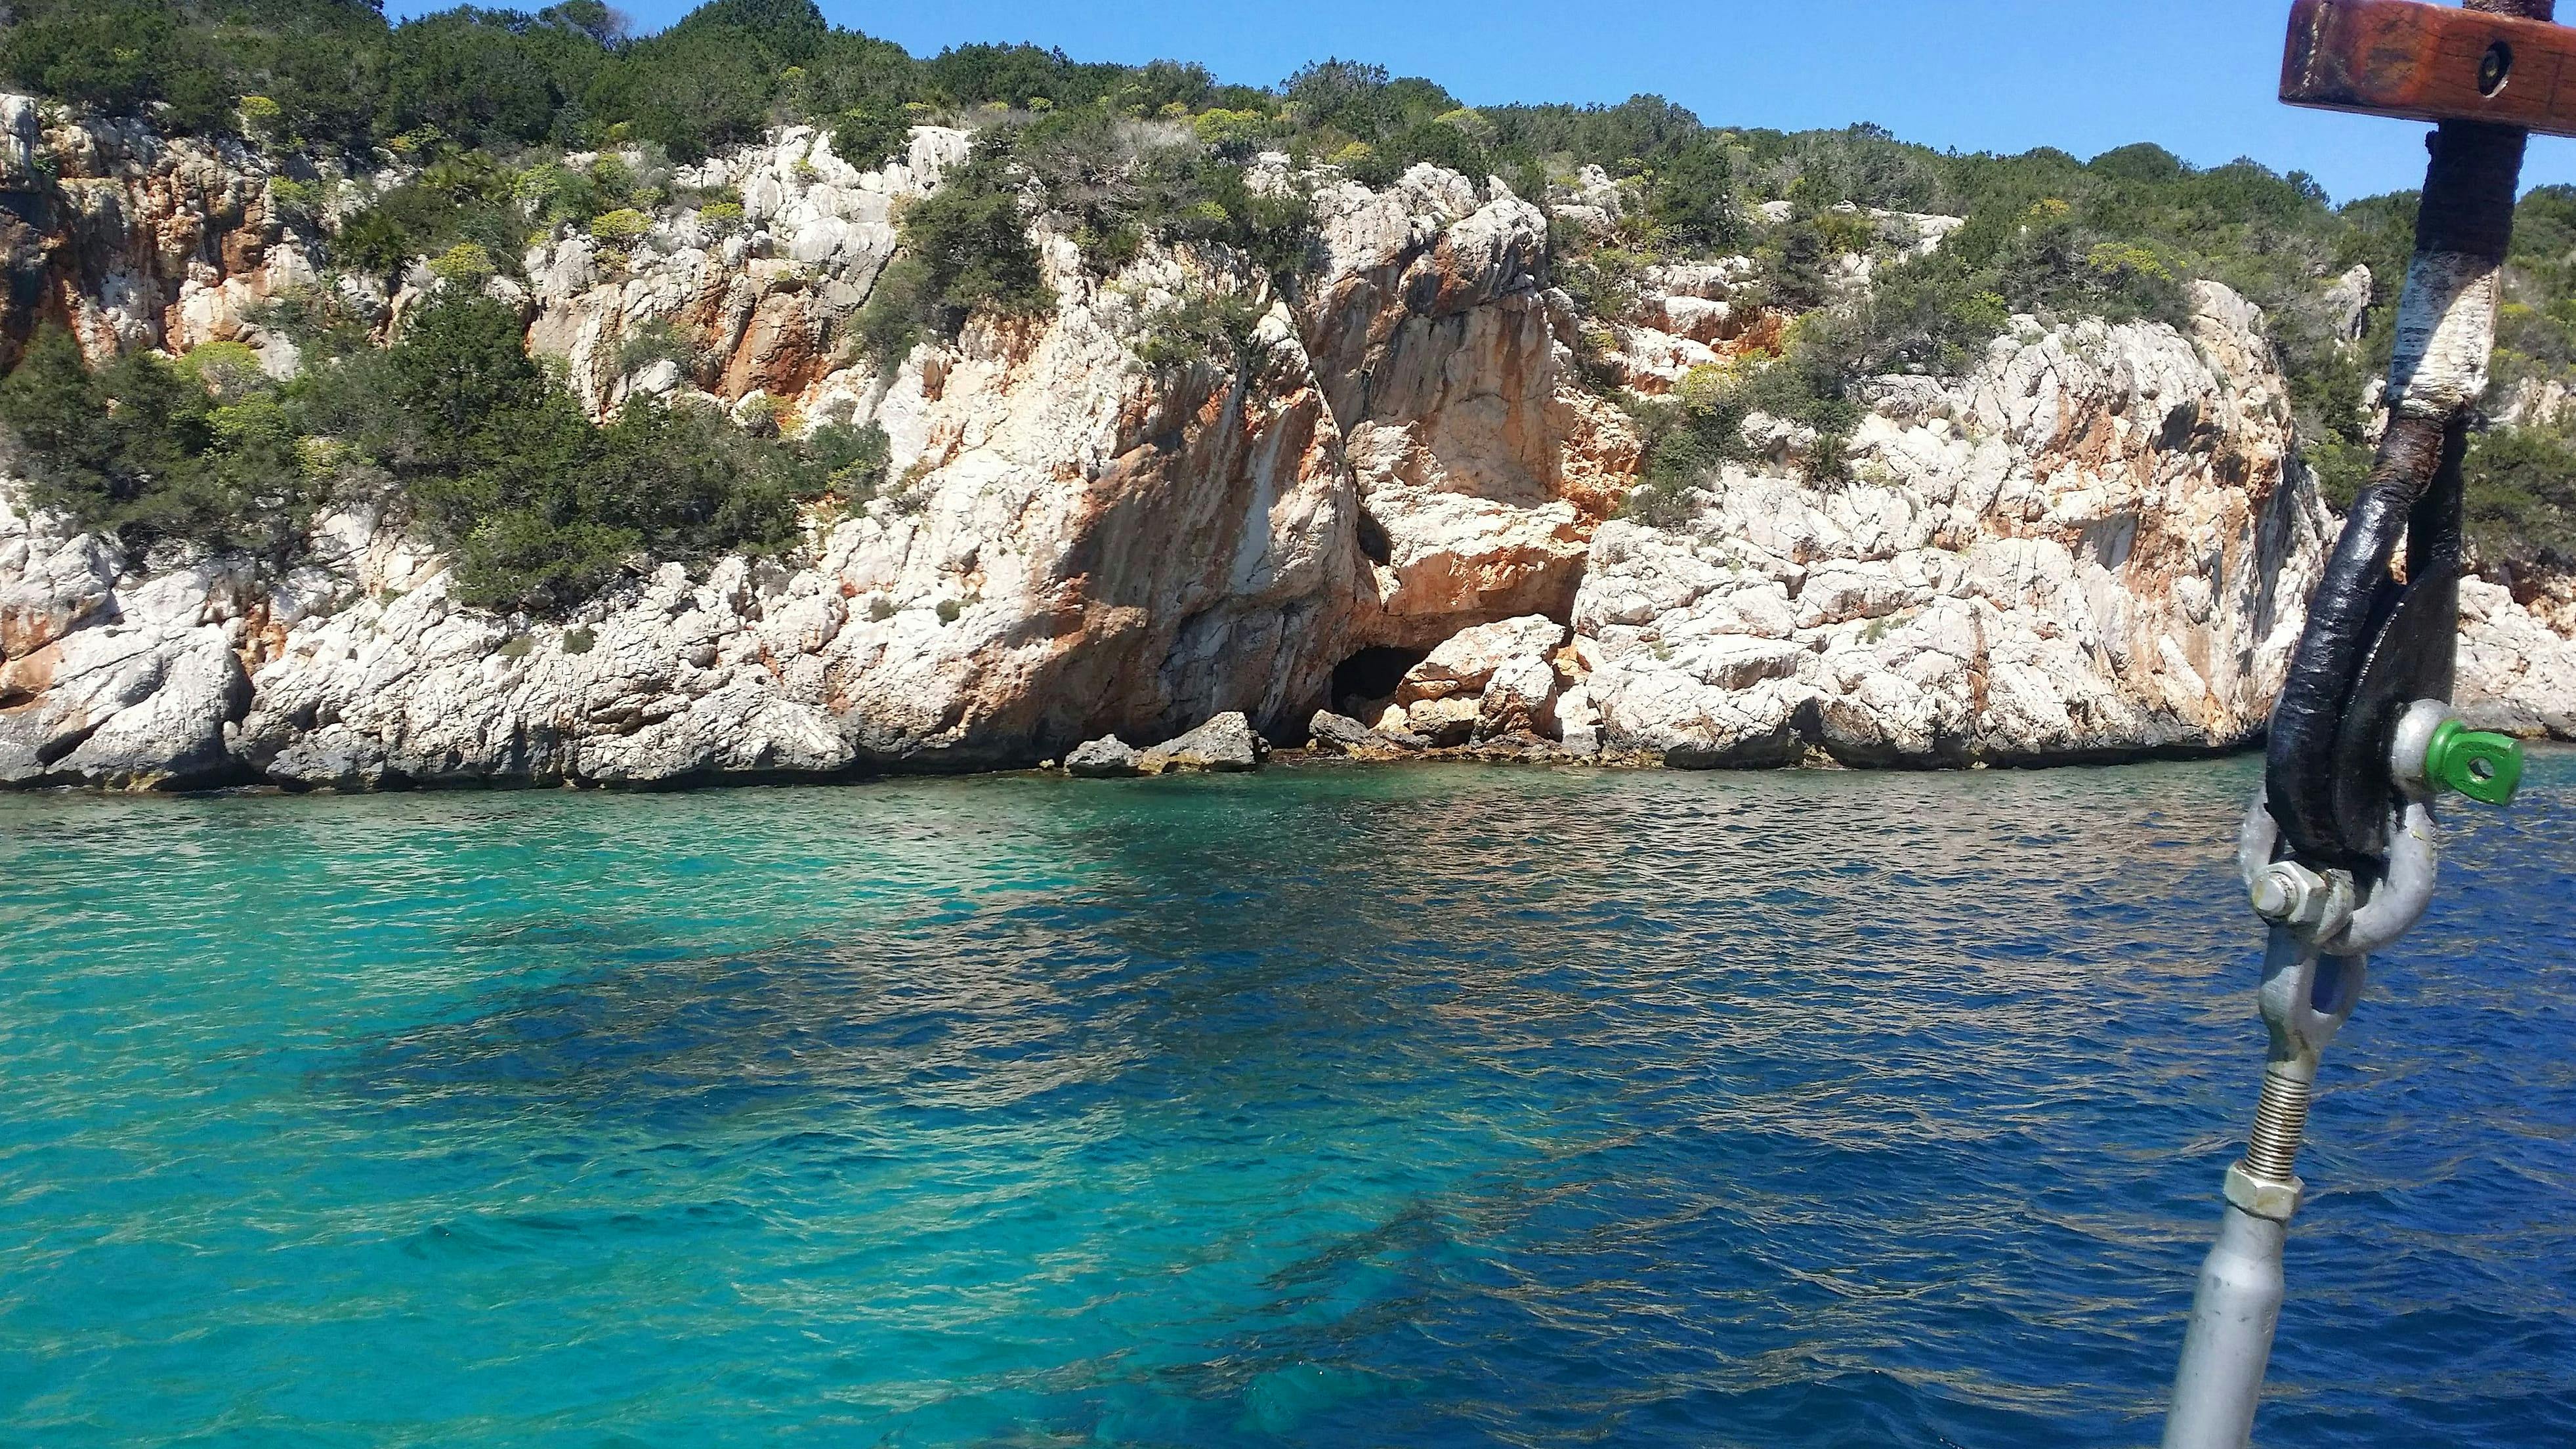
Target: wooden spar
x=2431, y=63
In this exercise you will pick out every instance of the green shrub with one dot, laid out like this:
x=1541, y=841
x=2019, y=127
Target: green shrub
x=465, y=264
x=966, y=247
x=1215, y=328
x=621, y=228
x=1691, y=436
x=853, y=460
x=542, y=507
x=1210, y=203
x=263, y=117
x=873, y=133
x=1793, y=266
x=661, y=341
x=1114, y=185
x=1232, y=135
x=318, y=319
x=978, y=248
x=298, y=202
x=1692, y=198
x=374, y=242
x=459, y=198
x=2521, y=498
x=890, y=325
x=555, y=193
x=228, y=371
x=140, y=451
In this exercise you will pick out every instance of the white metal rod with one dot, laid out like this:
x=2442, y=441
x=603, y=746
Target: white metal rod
x=2224, y=1354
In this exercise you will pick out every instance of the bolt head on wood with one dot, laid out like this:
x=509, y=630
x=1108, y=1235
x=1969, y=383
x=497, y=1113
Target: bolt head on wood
x=2426, y=62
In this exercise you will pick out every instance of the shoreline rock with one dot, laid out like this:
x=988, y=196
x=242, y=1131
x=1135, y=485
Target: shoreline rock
x=1226, y=744
x=1106, y=758
x=2094, y=544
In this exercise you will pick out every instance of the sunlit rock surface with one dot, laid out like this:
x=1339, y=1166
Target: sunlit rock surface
x=2093, y=544
x=1398, y=511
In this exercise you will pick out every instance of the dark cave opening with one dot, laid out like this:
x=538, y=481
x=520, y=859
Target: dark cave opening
x=1375, y=546
x=1371, y=674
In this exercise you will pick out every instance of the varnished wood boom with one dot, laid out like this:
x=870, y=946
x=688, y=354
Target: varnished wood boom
x=2431, y=63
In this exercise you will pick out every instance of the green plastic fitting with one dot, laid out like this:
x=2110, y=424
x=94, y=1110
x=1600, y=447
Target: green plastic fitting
x=2485, y=767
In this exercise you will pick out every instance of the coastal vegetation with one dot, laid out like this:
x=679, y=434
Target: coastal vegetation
x=508, y=127
x=492, y=454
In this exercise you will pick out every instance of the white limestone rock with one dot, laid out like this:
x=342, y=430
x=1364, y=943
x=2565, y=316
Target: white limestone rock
x=1227, y=743
x=1444, y=722
x=2516, y=674
x=2097, y=543
x=1465, y=662
x=1520, y=699
x=1106, y=758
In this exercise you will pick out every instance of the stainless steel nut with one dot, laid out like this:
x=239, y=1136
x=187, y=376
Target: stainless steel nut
x=2290, y=894
x=2278, y=1201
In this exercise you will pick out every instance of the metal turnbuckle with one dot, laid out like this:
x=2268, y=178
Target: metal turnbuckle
x=2323, y=927
x=2339, y=853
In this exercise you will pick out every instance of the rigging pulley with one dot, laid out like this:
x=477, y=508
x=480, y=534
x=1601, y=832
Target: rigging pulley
x=2339, y=853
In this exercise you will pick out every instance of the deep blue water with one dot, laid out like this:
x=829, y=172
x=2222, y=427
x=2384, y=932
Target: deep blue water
x=1329, y=1107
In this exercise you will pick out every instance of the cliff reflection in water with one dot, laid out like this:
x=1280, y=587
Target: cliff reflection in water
x=1410, y=1106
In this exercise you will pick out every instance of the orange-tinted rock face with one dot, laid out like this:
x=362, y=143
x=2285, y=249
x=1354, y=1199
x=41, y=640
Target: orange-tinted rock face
x=782, y=349
x=135, y=241
x=1482, y=463
x=1408, y=455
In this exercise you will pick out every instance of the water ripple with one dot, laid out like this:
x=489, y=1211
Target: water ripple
x=1438, y=1107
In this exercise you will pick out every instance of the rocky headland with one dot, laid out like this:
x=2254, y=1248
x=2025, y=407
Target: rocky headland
x=1391, y=526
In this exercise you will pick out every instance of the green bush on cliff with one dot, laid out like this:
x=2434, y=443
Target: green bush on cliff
x=540, y=506
x=143, y=451
x=459, y=198
x=1110, y=182
x=1690, y=436
x=1692, y=198
x=873, y=132
x=1377, y=126
x=2521, y=498
x=1219, y=329
x=965, y=246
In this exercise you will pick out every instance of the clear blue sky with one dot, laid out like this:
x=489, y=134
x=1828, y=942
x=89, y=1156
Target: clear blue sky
x=2198, y=76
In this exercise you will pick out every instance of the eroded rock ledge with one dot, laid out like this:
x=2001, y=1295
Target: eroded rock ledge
x=1399, y=515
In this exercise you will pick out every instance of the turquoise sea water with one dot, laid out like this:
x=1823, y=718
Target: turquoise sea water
x=1329, y=1107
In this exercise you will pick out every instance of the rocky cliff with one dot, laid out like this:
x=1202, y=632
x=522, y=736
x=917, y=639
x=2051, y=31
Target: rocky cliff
x=1399, y=503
